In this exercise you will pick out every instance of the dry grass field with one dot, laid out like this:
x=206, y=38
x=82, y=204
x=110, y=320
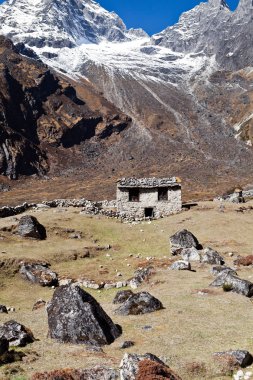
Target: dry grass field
x=194, y=323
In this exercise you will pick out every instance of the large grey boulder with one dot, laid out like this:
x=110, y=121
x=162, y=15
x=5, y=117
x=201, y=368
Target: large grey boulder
x=75, y=316
x=242, y=357
x=210, y=256
x=130, y=364
x=233, y=283
x=190, y=254
x=30, y=227
x=39, y=274
x=181, y=265
x=139, y=303
x=183, y=239
x=16, y=334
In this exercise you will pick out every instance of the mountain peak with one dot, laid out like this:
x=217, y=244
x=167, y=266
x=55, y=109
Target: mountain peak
x=61, y=23
x=218, y=3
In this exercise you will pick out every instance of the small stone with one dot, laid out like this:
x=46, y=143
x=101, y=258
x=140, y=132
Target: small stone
x=39, y=304
x=139, y=303
x=127, y=344
x=180, y=265
x=3, y=309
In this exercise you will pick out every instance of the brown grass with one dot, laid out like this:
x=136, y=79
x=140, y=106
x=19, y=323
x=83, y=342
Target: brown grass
x=244, y=261
x=150, y=370
x=191, y=327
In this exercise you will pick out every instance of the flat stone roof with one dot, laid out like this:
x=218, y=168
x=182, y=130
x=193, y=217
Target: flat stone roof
x=148, y=182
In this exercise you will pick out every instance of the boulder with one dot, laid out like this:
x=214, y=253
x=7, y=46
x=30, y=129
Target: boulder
x=129, y=366
x=151, y=370
x=234, y=283
x=139, y=303
x=242, y=357
x=210, y=256
x=181, y=265
x=3, y=309
x=183, y=239
x=39, y=274
x=190, y=254
x=75, y=316
x=30, y=227
x=221, y=268
x=122, y=295
x=95, y=373
x=16, y=334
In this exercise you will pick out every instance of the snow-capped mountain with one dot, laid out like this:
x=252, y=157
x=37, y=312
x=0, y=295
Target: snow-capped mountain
x=188, y=89
x=61, y=23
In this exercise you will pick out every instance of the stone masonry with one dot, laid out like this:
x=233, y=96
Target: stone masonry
x=148, y=197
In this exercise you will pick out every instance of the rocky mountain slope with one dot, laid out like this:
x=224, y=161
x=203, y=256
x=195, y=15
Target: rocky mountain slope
x=42, y=119
x=188, y=89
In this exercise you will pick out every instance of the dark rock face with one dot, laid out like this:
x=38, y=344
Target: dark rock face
x=129, y=365
x=242, y=357
x=122, y=295
x=39, y=274
x=235, y=284
x=151, y=370
x=139, y=303
x=75, y=316
x=96, y=373
x=16, y=334
x=183, y=239
x=30, y=227
x=210, y=256
x=181, y=265
x=3, y=309
x=4, y=346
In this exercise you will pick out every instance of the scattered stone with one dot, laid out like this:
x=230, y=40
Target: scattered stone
x=244, y=261
x=65, y=281
x=3, y=309
x=90, y=284
x=139, y=303
x=95, y=373
x=183, y=239
x=109, y=285
x=147, y=327
x=222, y=269
x=233, y=283
x=16, y=334
x=122, y=296
x=30, y=227
x=242, y=357
x=151, y=370
x=210, y=256
x=181, y=265
x=39, y=274
x=190, y=254
x=11, y=309
x=75, y=236
x=75, y=316
x=129, y=365
x=39, y=304
x=127, y=344
x=94, y=349
x=119, y=274
x=134, y=283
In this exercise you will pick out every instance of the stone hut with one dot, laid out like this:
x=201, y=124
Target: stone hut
x=148, y=197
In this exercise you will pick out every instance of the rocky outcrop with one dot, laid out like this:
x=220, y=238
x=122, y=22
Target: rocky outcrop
x=222, y=269
x=134, y=366
x=230, y=282
x=16, y=334
x=139, y=303
x=241, y=357
x=40, y=112
x=74, y=316
x=181, y=240
x=29, y=226
x=210, y=256
x=39, y=274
